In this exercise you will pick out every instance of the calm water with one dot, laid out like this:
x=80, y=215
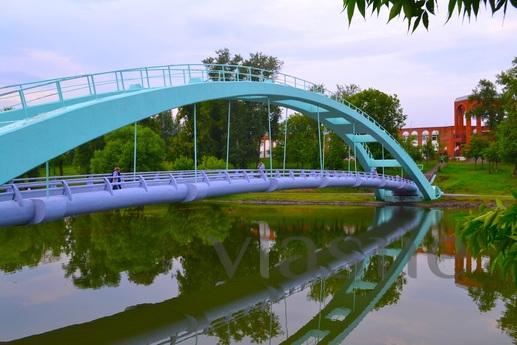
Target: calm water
x=207, y=274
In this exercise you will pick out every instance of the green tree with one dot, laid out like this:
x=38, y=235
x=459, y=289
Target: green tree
x=119, y=151
x=491, y=153
x=83, y=155
x=487, y=104
x=413, y=151
x=345, y=91
x=335, y=152
x=507, y=130
x=211, y=163
x=428, y=150
x=477, y=146
x=162, y=124
x=384, y=108
x=183, y=163
x=507, y=139
x=302, y=142
x=249, y=120
x=416, y=12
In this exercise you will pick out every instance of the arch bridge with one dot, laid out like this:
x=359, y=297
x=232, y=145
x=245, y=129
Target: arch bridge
x=42, y=120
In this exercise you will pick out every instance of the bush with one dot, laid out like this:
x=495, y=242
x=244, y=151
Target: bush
x=183, y=163
x=212, y=163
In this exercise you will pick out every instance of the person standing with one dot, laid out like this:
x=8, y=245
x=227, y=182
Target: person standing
x=261, y=167
x=115, y=178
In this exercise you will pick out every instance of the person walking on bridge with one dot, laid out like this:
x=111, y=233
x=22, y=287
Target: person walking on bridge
x=261, y=167
x=115, y=178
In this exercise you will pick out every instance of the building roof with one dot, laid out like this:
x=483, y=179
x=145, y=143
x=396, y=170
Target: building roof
x=462, y=98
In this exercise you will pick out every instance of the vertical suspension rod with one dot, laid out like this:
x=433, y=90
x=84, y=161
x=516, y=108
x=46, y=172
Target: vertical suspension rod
x=285, y=140
x=134, y=149
x=270, y=139
x=228, y=136
x=195, y=142
x=319, y=141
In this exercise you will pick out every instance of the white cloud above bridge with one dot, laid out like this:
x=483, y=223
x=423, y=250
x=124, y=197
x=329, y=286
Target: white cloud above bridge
x=428, y=70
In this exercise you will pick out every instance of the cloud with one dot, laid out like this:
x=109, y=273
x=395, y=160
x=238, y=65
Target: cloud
x=428, y=70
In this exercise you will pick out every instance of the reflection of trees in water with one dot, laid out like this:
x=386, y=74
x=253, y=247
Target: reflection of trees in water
x=494, y=286
x=260, y=324
x=374, y=273
x=21, y=247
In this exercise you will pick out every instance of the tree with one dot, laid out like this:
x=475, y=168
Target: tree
x=335, y=152
x=413, y=151
x=345, y=91
x=302, y=142
x=507, y=130
x=428, y=150
x=162, y=124
x=416, y=12
x=475, y=149
x=249, y=120
x=384, y=108
x=486, y=103
x=119, y=151
x=507, y=140
x=491, y=153
x=83, y=155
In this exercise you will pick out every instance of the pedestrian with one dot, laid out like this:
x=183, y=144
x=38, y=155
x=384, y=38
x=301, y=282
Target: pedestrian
x=115, y=178
x=261, y=167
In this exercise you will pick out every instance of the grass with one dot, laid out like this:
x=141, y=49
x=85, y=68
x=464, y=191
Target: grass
x=466, y=178
x=301, y=195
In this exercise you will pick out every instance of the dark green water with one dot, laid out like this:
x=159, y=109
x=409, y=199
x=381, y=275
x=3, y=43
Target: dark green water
x=208, y=274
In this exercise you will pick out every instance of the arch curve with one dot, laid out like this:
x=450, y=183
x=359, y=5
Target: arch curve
x=27, y=143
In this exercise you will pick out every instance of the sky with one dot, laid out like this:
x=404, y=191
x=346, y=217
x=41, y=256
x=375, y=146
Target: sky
x=427, y=69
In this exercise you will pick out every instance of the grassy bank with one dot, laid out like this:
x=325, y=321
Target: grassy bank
x=467, y=178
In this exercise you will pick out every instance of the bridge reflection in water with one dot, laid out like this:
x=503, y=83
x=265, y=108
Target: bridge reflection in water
x=342, y=271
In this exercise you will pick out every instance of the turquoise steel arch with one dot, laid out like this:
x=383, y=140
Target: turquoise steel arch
x=46, y=119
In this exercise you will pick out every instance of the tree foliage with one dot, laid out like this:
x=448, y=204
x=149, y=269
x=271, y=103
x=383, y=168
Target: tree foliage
x=416, y=12
x=494, y=232
x=476, y=148
x=302, y=142
x=384, y=108
x=487, y=104
x=249, y=121
x=119, y=151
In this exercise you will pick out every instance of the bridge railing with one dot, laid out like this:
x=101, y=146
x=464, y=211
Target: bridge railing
x=27, y=95
x=59, y=185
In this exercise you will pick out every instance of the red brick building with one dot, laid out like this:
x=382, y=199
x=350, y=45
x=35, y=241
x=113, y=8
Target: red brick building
x=448, y=139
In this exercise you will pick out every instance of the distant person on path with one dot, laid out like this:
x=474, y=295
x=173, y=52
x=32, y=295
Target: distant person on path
x=115, y=178
x=261, y=167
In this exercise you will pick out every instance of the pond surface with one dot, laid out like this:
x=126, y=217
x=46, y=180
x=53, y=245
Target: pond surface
x=210, y=274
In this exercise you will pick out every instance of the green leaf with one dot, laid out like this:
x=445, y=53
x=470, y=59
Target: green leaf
x=395, y=10
x=430, y=6
x=500, y=4
x=350, y=10
x=475, y=7
x=361, y=6
x=425, y=20
x=452, y=3
x=408, y=9
x=417, y=21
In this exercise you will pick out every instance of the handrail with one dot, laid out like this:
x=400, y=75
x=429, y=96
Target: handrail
x=87, y=183
x=188, y=73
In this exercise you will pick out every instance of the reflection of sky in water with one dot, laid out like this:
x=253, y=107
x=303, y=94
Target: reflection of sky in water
x=431, y=310
x=38, y=299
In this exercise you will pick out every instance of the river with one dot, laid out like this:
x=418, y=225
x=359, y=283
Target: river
x=206, y=273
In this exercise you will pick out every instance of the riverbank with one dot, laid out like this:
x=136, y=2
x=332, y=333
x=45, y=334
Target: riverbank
x=333, y=198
